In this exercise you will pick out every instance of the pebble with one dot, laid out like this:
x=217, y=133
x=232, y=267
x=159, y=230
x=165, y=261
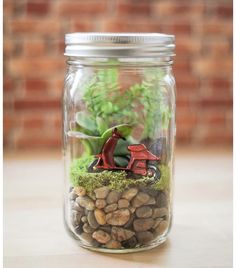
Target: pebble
x=102, y=192
x=130, y=243
x=100, y=216
x=72, y=195
x=143, y=224
x=88, y=229
x=130, y=221
x=157, y=222
x=75, y=217
x=143, y=212
x=110, y=208
x=161, y=200
x=118, y=217
x=151, y=201
x=85, y=202
x=101, y=236
x=77, y=207
x=87, y=238
x=80, y=191
x=79, y=229
x=140, y=199
x=123, y=203
x=113, y=244
x=84, y=219
x=144, y=237
x=106, y=228
x=92, y=220
x=130, y=193
x=100, y=203
x=162, y=227
x=113, y=197
x=121, y=234
x=160, y=212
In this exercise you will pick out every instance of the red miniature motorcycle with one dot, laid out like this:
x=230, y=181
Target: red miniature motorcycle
x=138, y=162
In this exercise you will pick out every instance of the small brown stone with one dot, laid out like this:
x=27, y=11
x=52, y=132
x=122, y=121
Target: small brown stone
x=113, y=244
x=101, y=236
x=80, y=191
x=123, y=203
x=113, y=197
x=162, y=227
x=143, y=212
x=130, y=193
x=100, y=216
x=160, y=212
x=88, y=229
x=85, y=202
x=141, y=225
x=144, y=237
x=110, y=208
x=121, y=234
x=101, y=192
x=140, y=199
x=118, y=217
x=100, y=203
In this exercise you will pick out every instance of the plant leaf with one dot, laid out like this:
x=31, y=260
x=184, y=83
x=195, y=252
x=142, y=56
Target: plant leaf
x=86, y=122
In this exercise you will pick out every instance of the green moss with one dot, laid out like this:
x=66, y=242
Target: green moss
x=164, y=182
x=114, y=180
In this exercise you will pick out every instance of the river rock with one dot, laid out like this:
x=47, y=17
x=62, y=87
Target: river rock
x=121, y=234
x=102, y=192
x=130, y=221
x=101, y=236
x=140, y=199
x=80, y=191
x=144, y=237
x=77, y=207
x=88, y=229
x=160, y=212
x=75, y=217
x=151, y=201
x=113, y=244
x=162, y=227
x=100, y=203
x=110, y=208
x=143, y=224
x=79, y=229
x=161, y=200
x=106, y=228
x=123, y=203
x=100, y=216
x=143, y=212
x=157, y=222
x=92, y=220
x=130, y=193
x=84, y=219
x=87, y=238
x=72, y=196
x=85, y=202
x=113, y=197
x=130, y=243
x=118, y=217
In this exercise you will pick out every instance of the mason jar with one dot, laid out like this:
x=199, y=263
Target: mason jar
x=119, y=134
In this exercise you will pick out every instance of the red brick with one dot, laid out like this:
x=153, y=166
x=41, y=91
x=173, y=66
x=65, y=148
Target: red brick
x=187, y=83
x=78, y=8
x=131, y=8
x=225, y=11
x=220, y=83
x=188, y=45
x=214, y=27
x=37, y=67
x=36, y=84
x=37, y=8
x=8, y=84
x=31, y=104
x=82, y=26
x=217, y=136
x=34, y=48
x=177, y=28
x=33, y=123
x=217, y=47
x=37, y=27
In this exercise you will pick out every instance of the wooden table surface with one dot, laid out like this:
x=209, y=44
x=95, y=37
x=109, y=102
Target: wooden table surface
x=201, y=236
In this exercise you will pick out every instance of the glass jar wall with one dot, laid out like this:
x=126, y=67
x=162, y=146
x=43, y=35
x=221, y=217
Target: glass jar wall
x=119, y=132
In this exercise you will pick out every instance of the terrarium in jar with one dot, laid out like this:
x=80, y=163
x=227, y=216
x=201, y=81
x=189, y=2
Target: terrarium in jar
x=119, y=133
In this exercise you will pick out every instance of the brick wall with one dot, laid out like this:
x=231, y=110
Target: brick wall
x=34, y=63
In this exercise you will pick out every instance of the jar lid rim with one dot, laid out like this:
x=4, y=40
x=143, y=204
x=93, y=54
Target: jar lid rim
x=119, y=44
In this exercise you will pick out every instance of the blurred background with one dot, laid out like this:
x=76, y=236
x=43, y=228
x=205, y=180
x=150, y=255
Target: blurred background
x=34, y=64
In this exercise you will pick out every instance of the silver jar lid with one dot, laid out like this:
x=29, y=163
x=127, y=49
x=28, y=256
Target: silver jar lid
x=119, y=45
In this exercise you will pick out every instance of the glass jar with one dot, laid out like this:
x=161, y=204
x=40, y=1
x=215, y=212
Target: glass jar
x=119, y=135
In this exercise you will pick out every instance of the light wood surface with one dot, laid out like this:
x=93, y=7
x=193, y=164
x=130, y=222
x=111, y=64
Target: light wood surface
x=201, y=236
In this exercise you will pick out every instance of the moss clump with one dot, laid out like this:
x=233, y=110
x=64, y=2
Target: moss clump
x=114, y=180
x=164, y=182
